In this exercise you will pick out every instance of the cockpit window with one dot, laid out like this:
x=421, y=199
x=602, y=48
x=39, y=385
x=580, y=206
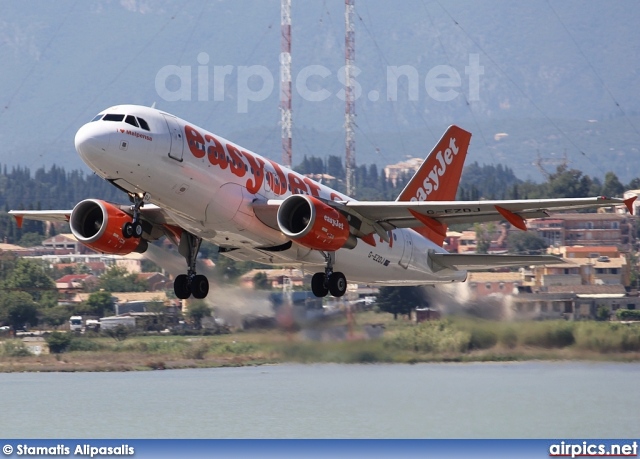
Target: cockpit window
x=112, y=117
x=143, y=124
x=130, y=119
x=96, y=118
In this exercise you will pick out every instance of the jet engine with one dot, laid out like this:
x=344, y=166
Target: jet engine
x=314, y=224
x=98, y=225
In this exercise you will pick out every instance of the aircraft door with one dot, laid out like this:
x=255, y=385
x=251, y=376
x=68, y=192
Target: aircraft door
x=175, y=134
x=408, y=248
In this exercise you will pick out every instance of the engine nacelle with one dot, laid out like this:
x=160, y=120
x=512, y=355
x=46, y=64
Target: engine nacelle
x=98, y=225
x=312, y=223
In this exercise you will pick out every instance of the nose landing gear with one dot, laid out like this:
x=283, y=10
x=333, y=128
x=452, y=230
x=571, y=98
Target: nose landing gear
x=134, y=228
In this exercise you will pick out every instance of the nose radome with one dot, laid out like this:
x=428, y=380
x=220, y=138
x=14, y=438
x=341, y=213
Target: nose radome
x=91, y=140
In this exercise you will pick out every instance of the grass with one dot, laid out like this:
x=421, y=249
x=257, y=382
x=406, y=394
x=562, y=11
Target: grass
x=447, y=340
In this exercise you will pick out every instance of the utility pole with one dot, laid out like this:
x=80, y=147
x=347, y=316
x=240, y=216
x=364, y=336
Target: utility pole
x=350, y=106
x=285, y=80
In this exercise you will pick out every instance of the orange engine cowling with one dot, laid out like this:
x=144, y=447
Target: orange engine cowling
x=98, y=225
x=314, y=224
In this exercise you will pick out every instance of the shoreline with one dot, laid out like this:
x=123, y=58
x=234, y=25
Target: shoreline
x=74, y=362
x=450, y=340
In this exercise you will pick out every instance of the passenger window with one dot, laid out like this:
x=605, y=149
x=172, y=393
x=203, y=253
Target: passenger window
x=131, y=120
x=112, y=117
x=96, y=118
x=143, y=124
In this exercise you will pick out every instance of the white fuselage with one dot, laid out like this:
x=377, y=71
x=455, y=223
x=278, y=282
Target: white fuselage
x=208, y=185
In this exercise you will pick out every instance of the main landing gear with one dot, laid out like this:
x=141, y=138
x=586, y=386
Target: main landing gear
x=191, y=283
x=134, y=228
x=329, y=281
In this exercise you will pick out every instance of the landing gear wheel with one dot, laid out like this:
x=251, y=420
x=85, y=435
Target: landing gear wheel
x=337, y=284
x=137, y=230
x=200, y=286
x=127, y=230
x=318, y=285
x=181, y=287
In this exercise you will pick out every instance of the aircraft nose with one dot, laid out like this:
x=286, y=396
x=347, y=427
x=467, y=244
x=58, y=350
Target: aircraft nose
x=91, y=141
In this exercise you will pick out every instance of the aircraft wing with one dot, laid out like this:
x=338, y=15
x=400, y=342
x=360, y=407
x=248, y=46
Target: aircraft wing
x=436, y=214
x=151, y=213
x=367, y=217
x=477, y=262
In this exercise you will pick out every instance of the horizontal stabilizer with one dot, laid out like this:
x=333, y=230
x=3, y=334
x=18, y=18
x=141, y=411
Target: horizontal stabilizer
x=479, y=261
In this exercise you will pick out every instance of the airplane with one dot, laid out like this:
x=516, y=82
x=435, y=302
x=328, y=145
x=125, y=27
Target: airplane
x=190, y=185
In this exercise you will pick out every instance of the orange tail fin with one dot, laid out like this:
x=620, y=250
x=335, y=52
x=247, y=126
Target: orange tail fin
x=439, y=176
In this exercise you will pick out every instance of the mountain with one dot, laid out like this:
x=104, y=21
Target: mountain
x=560, y=79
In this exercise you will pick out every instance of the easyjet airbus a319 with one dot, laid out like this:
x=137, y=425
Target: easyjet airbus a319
x=190, y=185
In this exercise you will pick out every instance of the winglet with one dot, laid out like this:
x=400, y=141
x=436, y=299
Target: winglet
x=629, y=203
x=515, y=219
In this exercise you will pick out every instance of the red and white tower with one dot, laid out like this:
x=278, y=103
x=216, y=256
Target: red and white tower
x=350, y=106
x=285, y=80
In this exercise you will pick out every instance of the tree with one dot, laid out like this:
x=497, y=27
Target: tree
x=335, y=168
x=117, y=279
x=31, y=240
x=18, y=310
x=526, y=243
x=400, y=300
x=483, y=236
x=226, y=269
x=98, y=304
x=612, y=186
x=58, y=342
x=261, y=281
x=567, y=183
x=197, y=311
x=29, y=276
x=55, y=316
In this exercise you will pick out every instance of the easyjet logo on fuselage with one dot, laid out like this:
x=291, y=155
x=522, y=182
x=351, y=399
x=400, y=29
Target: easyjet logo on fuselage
x=242, y=163
x=431, y=182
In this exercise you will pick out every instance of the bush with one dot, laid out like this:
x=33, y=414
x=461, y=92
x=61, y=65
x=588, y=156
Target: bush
x=84, y=345
x=196, y=351
x=15, y=348
x=119, y=332
x=613, y=337
x=628, y=314
x=58, y=342
x=509, y=338
x=550, y=334
x=432, y=337
x=482, y=338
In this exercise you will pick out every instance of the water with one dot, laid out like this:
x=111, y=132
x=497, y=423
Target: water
x=485, y=400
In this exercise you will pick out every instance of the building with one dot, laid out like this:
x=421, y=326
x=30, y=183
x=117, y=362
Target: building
x=275, y=277
x=586, y=229
x=407, y=167
x=65, y=244
x=71, y=284
x=154, y=281
x=595, y=265
x=490, y=283
x=573, y=302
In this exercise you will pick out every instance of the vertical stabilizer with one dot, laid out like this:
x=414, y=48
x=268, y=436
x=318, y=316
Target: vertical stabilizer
x=438, y=177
